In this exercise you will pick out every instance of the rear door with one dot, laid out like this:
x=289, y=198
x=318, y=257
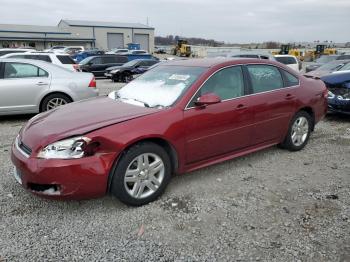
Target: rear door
x=273, y=99
x=219, y=128
x=22, y=86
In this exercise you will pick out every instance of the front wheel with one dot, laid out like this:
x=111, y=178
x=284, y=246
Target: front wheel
x=299, y=132
x=142, y=174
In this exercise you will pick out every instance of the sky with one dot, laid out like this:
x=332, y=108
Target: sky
x=233, y=21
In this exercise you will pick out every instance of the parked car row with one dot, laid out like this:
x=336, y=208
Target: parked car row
x=324, y=60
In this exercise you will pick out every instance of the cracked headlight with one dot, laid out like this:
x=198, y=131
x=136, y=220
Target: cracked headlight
x=71, y=148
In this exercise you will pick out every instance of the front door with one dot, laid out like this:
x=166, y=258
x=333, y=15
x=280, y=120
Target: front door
x=219, y=128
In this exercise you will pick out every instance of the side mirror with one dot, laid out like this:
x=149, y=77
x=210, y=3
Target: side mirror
x=207, y=99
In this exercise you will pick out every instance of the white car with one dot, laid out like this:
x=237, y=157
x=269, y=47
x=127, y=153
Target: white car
x=138, y=52
x=54, y=48
x=5, y=51
x=62, y=60
x=70, y=50
x=33, y=86
x=118, y=51
x=290, y=61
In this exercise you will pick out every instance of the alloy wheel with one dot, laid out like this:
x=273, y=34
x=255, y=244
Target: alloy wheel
x=55, y=102
x=144, y=175
x=300, y=131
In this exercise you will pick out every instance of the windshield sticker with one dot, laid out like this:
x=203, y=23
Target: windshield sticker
x=179, y=77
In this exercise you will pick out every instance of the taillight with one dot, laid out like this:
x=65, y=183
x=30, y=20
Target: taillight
x=93, y=83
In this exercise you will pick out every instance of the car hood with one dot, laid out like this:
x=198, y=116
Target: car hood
x=313, y=64
x=77, y=119
x=317, y=73
x=338, y=78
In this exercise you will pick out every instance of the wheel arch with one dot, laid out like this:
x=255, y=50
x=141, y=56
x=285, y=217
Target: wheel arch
x=51, y=93
x=311, y=112
x=169, y=148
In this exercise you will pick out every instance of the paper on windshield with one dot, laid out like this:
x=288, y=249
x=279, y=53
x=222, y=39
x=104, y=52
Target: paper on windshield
x=179, y=77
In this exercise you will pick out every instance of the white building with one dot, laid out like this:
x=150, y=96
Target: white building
x=102, y=35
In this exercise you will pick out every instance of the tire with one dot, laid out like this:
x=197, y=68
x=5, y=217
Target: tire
x=54, y=100
x=130, y=185
x=298, y=132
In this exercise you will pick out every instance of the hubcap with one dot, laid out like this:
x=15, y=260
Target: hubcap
x=144, y=175
x=55, y=102
x=300, y=131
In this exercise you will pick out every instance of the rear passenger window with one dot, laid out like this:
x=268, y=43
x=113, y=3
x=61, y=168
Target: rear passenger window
x=290, y=79
x=45, y=58
x=264, y=78
x=228, y=83
x=65, y=59
x=109, y=60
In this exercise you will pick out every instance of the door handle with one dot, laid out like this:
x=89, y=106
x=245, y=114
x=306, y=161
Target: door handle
x=241, y=107
x=289, y=97
x=41, y=84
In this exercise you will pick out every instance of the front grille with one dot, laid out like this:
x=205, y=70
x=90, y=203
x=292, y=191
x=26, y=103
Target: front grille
x=340, y=91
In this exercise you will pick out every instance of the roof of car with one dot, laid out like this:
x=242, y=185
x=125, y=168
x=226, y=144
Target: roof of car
x=210, y=62
x=285, y=56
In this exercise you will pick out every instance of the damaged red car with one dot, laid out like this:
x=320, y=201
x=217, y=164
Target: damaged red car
x=178, y=117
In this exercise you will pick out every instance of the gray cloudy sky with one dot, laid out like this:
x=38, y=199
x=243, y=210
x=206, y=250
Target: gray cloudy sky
x=226, y=20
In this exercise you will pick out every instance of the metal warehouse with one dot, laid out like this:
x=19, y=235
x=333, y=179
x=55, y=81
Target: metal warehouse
x=102, y=35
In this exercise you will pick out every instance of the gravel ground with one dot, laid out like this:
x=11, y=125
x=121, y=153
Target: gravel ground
x=272, y=205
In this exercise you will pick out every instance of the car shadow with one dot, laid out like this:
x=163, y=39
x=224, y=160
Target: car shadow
x=332, y=117
x=9, y=118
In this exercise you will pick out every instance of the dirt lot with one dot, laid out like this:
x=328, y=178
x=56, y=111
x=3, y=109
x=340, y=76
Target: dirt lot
x=273, y=205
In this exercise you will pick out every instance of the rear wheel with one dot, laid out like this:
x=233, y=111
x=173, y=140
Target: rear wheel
x=142, y=174
x=299, y=132
x=54, y=100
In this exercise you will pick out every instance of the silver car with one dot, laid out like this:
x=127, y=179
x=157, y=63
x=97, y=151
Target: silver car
x=32, y=86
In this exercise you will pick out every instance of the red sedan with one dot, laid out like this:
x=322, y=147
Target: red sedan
x=176, y=118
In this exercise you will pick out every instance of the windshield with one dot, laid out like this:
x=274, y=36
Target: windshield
x=325, y=59
x=131, y=63
x=330, y=66
x=159, y=87
x=345, y=67
x=86, y=60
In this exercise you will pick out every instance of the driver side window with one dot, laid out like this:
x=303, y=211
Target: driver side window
x=227, y=83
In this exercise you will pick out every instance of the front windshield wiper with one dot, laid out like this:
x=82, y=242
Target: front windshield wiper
x=144, y=103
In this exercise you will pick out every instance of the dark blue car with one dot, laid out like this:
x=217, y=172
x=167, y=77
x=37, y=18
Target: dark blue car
x=82, y=55
x=338, y=85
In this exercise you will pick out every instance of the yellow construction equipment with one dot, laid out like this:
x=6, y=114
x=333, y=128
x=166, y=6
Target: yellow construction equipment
x=182, y=48
x=320, y=50
x=288, y=50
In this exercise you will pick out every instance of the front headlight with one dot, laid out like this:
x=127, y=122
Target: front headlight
x=71, y=148
x=114, y=71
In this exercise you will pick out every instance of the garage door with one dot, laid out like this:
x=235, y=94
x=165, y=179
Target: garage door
x=115, y=40
x=143, y=40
